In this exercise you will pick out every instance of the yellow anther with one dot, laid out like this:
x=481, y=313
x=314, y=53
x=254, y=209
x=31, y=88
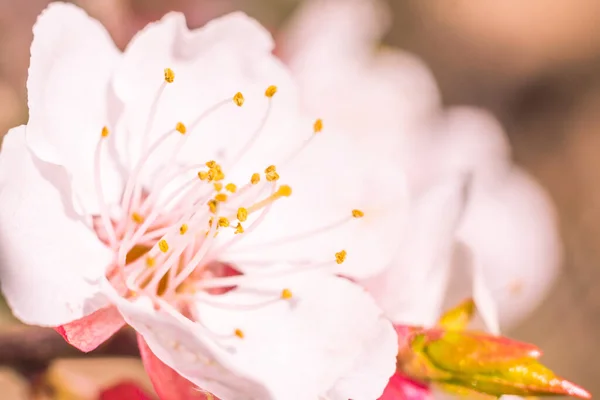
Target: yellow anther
x=239, y=228
x=238, y=99
x=221, y=197
x=230, y=187
x=271, y=174
x=137, y=218
x=218, y=186
x=219, y=175
x=242, y=214
x=212, y=206
x=169, y=75
x=286, y=294
x=255, y=178
x=211, y=175
x=163, y=245
x=211, y=164
x=357, y=214
x=318, y=126
x=271, y=90
x=105, y=132
x=180, y=127
x=183, y=229
x=340, y=257
x=223, y=222
x=150, y=261
x=203, y=175
x=239, y=333
x=284, y=191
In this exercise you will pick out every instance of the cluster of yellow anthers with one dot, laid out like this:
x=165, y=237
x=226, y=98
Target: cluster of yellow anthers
x=169, y=266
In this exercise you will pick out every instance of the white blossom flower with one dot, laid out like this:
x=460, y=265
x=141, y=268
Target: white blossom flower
x=154, y=187
x=498, y=240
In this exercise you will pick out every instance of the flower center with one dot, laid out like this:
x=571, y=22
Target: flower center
x=166, y=244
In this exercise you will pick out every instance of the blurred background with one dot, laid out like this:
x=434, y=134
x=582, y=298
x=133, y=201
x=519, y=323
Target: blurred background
x=534, y=64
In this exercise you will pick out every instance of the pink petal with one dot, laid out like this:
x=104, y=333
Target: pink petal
x=168, y=384
x=402, y=388
x=89, y=332
x=127, y=390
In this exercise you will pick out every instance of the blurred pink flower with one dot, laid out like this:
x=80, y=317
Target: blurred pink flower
x=125, y=391
x=114, y=211
x=477, y=225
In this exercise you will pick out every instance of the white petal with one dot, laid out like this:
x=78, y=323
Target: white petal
x=295, y=349
x=366, y=369
x=460, y=140
x=467, y=280
x=512, y=231
x=335, y=30
x=412, y=288
x=326, y=336
x=332, y=177
x=374, y=96
x=183, y=346
x=51, y=261
x=211, y=64
x=72, y=57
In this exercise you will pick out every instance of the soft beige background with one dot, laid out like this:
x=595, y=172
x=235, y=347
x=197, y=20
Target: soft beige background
x=535, y=63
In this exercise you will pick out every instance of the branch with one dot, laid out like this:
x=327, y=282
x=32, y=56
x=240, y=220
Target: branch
x=30, y=348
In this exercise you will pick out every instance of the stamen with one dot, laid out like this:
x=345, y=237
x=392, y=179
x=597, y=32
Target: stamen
x=239, y=229
x=255, y=178
x=180, y=127
x=271, y=90
x=297, y=237
x=203, y=175
x=357, y=213
x=239, y=333
x=221, y=197
x=223, y=222
x=169, y=75
x=286, y=294
x=163, y=245
x=213, y=300
x=104, y=212
x=242, y=214
x=340, y=257
x=183, y=229
x=271, y=174
x=283, y=191
x=196, y=259
x=228, y=281
x=230, y=187
x=218, y=186
x=265, y=203
x=212, y=205
x=238, y=99
x=150, y=261
x=318, y=126
x=132, y=183
x=137, y=218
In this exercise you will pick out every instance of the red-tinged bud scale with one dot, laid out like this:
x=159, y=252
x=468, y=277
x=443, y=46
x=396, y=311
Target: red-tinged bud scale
x=461, y=361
